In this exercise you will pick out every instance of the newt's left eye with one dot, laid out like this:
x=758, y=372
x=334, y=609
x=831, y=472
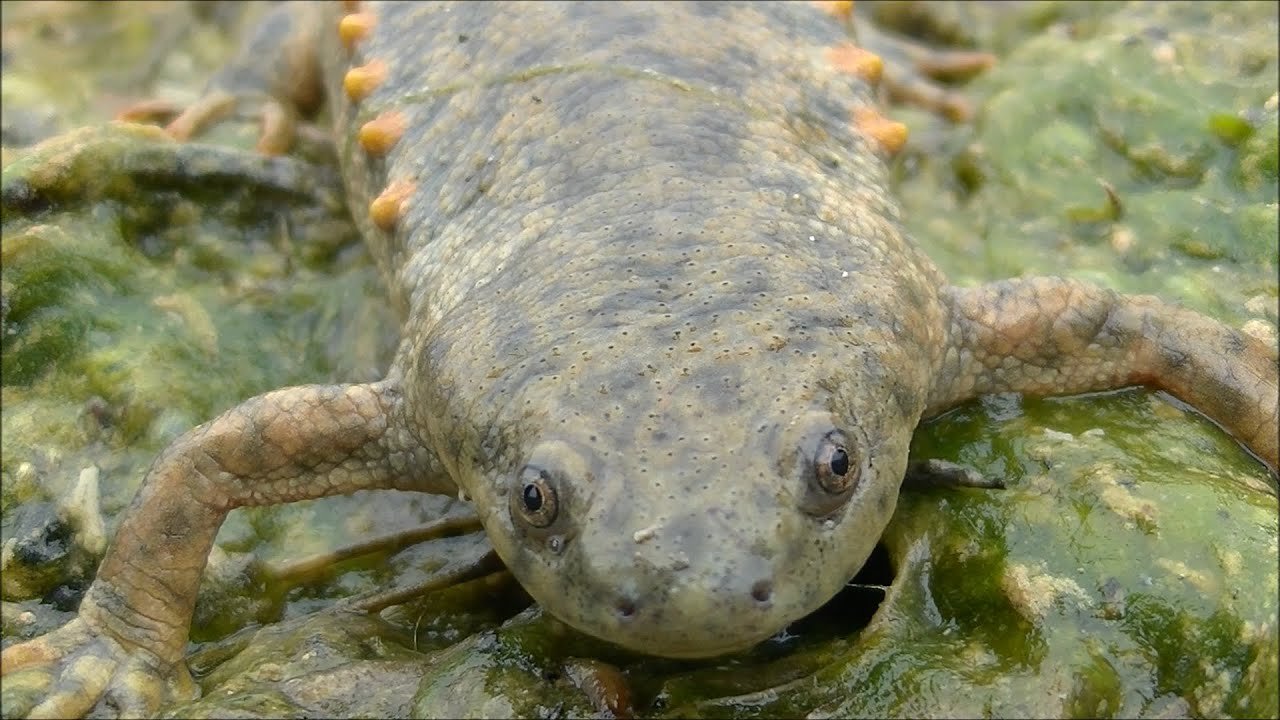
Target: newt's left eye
x=833, y=474
x=832, y=466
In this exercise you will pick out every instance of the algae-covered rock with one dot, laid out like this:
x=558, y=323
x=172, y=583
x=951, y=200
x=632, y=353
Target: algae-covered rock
x=1136, y=148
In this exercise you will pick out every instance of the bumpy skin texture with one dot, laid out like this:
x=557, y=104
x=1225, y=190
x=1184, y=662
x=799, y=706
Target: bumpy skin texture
x=661, y=324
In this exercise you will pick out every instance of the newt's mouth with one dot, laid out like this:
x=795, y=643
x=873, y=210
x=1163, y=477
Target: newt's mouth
x=669, y=641
x=701, y=616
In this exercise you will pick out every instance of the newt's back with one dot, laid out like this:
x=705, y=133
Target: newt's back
x=532, y=132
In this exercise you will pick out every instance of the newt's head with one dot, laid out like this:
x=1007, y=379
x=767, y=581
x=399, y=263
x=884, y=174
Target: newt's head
x=686, y=504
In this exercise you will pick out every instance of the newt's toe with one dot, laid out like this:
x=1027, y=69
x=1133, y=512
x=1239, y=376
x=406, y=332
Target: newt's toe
x=201, y=115
x=916, y=74
x=69, y=671
x=150, y=112
x=278, y=125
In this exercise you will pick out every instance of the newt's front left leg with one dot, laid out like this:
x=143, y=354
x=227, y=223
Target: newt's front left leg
x=126, y=647
x=1050, y=336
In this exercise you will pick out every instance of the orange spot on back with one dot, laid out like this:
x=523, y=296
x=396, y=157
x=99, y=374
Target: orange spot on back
x=842, y=10
x=850, y=58
x=360, y=81
x=380, y=134
x=355, y=27
x=386, y=209
x=889, y=135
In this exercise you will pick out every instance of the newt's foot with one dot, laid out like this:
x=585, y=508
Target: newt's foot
x=278, y=125
x=72, y=670
x=934, y=473
x=915, y=74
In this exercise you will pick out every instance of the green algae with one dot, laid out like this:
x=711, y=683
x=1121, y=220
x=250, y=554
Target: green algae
x=1137, y=99
x=1149, y=534
x=1146, y=562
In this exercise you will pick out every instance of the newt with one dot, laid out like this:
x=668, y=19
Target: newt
x=660, y=323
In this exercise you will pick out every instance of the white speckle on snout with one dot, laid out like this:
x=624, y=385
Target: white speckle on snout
x=844, y=273
x=828, y=524
x=645, y=534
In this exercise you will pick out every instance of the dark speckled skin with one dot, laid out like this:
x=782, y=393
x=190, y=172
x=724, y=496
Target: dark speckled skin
x=647, y=243
x=649, y=267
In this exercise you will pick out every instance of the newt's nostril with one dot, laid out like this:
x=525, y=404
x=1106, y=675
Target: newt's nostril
x=626, y=608
x=762, y=590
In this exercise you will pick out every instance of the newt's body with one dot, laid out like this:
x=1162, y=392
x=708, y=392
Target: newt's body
x=661, y=325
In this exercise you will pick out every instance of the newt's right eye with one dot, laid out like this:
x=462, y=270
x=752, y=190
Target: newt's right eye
x=548, y=493
x=537, y=503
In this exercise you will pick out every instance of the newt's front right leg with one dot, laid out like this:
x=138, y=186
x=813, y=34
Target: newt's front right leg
x=126, y=647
